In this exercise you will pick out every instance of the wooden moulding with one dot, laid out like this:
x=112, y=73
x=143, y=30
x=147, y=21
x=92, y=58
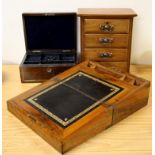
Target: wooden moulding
x=133, y=96
x=107, y=12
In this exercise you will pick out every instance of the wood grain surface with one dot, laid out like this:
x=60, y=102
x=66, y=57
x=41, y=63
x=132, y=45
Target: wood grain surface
x=118, y=40
x=96, y=54
x=130, y=136
x=119, y=25
x=106, y=28
x=122, y=12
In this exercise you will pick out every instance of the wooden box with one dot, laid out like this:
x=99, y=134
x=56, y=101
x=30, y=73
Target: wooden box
x=79, y=103
x=106, y=36
x=50, y=40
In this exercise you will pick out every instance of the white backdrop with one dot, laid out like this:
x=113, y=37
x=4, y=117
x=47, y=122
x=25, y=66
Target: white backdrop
x=13, y=38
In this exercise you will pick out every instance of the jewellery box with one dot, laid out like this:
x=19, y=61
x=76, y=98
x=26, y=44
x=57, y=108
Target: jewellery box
x=50, y=40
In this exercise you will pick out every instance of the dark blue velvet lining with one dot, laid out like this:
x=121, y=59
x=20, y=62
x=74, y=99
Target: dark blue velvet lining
x=50, y=59
x=50, y=32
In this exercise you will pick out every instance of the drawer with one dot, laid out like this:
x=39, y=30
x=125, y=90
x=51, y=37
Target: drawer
x=39, y=74
x=105, y=54
x=118, y=66
x=106, y=25
x=106, y=40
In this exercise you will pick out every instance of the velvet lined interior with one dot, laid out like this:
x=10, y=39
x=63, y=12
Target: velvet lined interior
x=50, y=59
x=55, y=31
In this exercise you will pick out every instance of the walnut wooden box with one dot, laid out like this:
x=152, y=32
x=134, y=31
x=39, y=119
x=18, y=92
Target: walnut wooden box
x=79, y=103
x=50, y=42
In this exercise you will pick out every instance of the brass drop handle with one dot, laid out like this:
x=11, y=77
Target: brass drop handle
x=105, y=55
x=49, y=70
x=106, y=40
x=106, y=27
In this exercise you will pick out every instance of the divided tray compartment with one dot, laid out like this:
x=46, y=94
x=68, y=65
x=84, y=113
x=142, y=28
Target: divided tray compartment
x=58, y=58
x=50, y=59
x=33, y=59
x=68, y=58
x=126, y=77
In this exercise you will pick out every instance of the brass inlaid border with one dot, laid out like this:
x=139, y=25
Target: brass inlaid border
x=33, y=99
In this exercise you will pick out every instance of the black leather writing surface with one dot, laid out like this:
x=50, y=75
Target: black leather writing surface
x=64, y=101
x=72, y=98
x=90, y=86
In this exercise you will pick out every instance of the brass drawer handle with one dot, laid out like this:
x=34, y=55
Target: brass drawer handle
x=106, y=40
x=105, y=55
x=106, y=27
x=49, y=70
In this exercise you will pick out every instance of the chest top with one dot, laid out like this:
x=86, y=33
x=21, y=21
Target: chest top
x=115, y=12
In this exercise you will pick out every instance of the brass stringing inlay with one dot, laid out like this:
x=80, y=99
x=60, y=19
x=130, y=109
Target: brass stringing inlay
x=33, y=99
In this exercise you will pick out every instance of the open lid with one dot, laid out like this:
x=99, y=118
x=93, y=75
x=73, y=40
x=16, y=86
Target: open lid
x=50, y=32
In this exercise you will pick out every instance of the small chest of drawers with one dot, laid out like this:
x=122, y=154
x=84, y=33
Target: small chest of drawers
x=106, y=36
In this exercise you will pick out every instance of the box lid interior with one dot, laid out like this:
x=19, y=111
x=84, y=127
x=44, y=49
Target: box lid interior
x=50, y=32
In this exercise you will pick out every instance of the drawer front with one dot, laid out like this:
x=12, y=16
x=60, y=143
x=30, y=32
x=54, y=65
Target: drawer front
x=106, y=25
x=106, y=40
x=118, y=66
x=39, y=74
x=104, y=54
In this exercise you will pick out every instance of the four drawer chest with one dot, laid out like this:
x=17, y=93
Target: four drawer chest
x=106, y=36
